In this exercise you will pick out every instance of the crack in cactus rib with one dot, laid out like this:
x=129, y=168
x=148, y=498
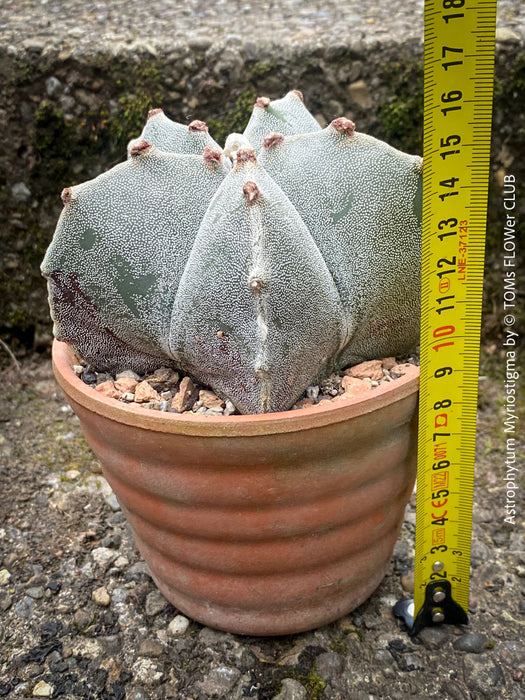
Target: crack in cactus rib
x=258, y=279
x=257, y=274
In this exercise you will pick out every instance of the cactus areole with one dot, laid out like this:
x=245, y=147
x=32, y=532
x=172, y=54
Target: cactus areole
x=258, y=268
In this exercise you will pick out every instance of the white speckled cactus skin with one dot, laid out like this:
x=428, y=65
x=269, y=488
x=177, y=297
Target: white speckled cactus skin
x=256, y=276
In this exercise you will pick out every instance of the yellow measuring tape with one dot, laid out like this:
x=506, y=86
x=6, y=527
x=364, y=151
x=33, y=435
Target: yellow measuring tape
x=459, y=72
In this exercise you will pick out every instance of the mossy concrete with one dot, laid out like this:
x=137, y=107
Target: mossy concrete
x=66, y=117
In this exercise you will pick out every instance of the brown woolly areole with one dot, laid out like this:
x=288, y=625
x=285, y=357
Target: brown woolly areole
x=140, y=148
x=212, y=156
x=343, y=126
x=273, y=139
x=251, y=193
x=256, y=284
x=154, y=112
x=66, y=195
x=245, y=155
x=262, y=102
x=196, y=125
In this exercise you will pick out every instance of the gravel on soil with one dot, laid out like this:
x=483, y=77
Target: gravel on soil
x=81, y=619
x=168, y=390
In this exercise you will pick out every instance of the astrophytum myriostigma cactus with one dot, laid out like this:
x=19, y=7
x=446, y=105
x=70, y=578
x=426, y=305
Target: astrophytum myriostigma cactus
x=257, y=269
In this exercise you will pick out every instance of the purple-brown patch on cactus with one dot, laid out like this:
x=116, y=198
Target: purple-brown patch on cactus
x=78, y=321
x=223, y=344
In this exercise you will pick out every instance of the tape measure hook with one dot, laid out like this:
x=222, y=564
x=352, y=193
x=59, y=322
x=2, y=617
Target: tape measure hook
x=439, y=607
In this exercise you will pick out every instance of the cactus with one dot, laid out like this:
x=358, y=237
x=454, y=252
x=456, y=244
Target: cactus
x=257, y=269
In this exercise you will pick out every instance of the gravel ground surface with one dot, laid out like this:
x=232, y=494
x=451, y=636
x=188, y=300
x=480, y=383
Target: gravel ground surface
x=80, y=618
x=162, y=22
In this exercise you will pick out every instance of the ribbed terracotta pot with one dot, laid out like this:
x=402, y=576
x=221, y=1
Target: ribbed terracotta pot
x=264, y=524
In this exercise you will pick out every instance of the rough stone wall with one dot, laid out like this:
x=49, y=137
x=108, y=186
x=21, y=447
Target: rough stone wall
x=65, y=117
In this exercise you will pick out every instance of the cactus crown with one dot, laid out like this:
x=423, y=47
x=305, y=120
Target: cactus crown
x=257, y=269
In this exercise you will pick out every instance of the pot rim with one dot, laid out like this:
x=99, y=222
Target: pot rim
x=254, y=424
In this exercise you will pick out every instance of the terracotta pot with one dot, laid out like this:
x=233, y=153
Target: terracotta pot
x=263, y=524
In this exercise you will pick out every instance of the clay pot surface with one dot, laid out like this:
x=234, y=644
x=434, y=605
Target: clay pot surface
x=262, y=524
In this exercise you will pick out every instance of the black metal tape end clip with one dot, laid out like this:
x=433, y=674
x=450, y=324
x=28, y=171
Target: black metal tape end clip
x=439, y=607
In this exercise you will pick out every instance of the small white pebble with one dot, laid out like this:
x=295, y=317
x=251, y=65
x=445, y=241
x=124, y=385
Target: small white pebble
x=128, y=373
x=42, y=690
x=121, y=562
x=5, y=577
x=213, y=412
x=162, y=636
x=72, y=474
x=178, y=626
x=65, y=437
x=101, y=597
x=230, y=408
x=313, y=392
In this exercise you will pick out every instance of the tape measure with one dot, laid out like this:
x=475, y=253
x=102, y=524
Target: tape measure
x=459, y=73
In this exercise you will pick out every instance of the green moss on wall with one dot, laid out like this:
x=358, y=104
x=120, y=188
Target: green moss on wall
x=259, y=69
x=140, y=89
x=98, y=136
x=235, y=119
x=401, y=116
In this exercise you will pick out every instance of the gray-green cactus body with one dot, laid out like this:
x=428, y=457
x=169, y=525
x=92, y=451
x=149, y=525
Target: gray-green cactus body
x=286, y=116
x=361, y=208
x=172, y=137
x=257, y=278
x=121, y=244
x=257, y=314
